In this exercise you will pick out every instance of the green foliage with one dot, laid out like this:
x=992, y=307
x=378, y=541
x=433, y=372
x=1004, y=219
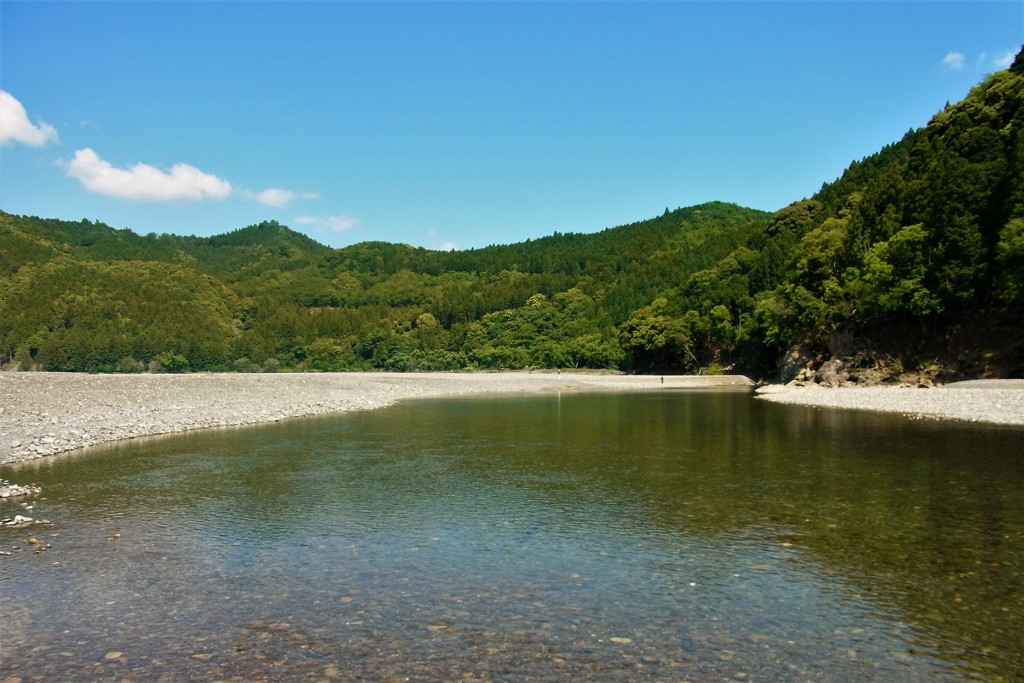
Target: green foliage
x=895, y=272
x=1010, y=257
x=656, y=339
x=169, y=362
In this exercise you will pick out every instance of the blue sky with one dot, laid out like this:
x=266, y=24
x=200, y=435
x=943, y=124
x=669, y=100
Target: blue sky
x=462, y=124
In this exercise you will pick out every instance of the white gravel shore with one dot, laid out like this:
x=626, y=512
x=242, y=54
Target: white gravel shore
x=990, y=401
x=46, y=413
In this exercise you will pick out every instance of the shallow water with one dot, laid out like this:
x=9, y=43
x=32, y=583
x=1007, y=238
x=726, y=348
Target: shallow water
x=675, y=536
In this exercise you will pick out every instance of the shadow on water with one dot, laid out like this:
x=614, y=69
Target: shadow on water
x=583, y=537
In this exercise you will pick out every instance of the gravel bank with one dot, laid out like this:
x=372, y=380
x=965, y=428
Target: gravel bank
x=46, y=413
x=991, y=401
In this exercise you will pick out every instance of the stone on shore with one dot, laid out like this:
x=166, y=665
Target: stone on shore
x=9, y=490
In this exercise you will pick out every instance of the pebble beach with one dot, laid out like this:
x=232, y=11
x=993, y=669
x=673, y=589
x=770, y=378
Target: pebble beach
x=43, y=414
x=986, y=401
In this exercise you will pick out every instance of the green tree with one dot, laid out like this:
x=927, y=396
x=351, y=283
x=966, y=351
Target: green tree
x=655, y=340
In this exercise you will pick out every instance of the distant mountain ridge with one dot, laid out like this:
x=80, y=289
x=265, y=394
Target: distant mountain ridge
x=909, y=267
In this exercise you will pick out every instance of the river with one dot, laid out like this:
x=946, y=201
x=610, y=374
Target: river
x=676, y=536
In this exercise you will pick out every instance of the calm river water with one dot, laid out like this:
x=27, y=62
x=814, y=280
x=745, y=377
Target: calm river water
x=661, y=537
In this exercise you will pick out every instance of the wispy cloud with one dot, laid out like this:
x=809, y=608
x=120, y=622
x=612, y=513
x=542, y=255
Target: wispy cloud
x=339, y=223
x=1005, y=59
x=275, y=196
x=954, y=61
x=957, y=61
x=16, y=127
x=443, y=245
x=144, y=182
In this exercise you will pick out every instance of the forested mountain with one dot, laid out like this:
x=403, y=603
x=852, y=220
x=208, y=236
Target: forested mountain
x=911, y=262
x=83, y=296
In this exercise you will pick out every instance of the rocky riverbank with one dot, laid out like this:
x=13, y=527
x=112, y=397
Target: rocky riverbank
x=989, y=401
x=46, y=413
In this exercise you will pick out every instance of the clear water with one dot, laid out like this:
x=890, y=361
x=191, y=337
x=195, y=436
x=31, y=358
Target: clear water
x=649, y=537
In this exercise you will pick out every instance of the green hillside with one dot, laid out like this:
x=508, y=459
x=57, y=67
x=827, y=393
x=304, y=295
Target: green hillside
x=86, y=297
x=909, y=266
x=914, y=259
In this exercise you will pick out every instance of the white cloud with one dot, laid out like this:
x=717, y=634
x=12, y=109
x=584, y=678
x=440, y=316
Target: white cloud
x=181, y=182
x=954, y=60
x=144, y=182
x=1005, y=60
x=443, y=245
x=15, y=126
x=338, y=223
x=275, y=196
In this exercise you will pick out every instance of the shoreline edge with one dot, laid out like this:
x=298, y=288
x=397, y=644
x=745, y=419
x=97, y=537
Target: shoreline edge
x=43, y=414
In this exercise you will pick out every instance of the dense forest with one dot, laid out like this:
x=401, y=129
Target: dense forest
x=909, y=266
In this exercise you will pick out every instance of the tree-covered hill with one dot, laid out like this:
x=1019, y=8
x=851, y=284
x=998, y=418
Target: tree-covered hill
x=83, y=296
x=913, y=260
x=909, y=264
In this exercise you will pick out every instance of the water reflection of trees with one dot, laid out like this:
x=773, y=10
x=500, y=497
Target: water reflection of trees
x=922, y=515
